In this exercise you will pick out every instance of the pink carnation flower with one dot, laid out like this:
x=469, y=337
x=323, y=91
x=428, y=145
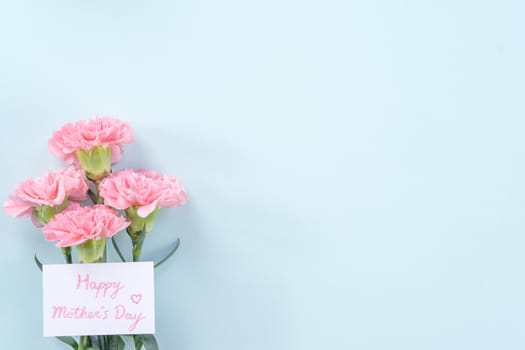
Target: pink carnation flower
x=146, y=190
x=76, y=186
x=51, y=190
x=79, y=224
x=86, y=134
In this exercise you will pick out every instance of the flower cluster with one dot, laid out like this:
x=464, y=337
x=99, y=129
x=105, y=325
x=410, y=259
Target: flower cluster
x=84, y=204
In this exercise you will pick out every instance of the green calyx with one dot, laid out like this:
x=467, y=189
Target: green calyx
x=96, y=162
x=92, y=251
x=138, y=228
x=44, y=213
x=138, y=223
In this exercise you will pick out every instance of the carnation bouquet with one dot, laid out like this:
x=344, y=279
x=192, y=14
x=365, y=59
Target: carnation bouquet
x=84, y=205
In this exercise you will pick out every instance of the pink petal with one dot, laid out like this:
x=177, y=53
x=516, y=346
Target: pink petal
x=147, y=209
x=18, y=208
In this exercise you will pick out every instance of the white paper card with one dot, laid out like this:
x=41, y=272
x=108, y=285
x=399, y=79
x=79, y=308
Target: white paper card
x=98, y=299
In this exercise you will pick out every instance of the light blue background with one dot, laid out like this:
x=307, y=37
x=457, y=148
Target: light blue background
x=355, y=168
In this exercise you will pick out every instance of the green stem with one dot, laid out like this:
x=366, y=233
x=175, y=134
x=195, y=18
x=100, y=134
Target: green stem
x=92, y=196
x=137, y=246
x=137, y=240
x=101, y=342
x=83, y=342
x=100, y=200
x=66, y=251
x=138, y=342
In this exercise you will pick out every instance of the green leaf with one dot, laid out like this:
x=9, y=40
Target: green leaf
x=138, y=342
x=128, y=340
x=115, y=342
x=111, y=343
x=39, y=264
x=177, y=243
x=149, y=341
x=98, y=341
x=117, y=249
x=94, y=341
x=68, y=340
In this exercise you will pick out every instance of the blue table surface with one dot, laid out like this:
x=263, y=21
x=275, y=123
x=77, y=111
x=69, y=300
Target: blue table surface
x=355, y=168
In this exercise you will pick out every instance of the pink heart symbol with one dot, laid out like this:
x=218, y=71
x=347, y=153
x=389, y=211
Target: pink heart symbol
x=136, y=298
